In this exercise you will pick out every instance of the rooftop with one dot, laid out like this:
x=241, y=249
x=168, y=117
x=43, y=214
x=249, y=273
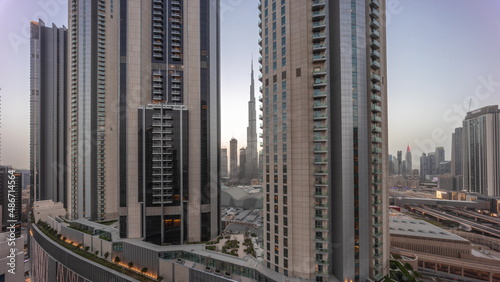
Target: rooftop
x=400, y=224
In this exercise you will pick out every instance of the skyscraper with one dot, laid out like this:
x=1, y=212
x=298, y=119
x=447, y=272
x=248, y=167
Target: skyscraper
x=456, y=152
x=48, y=123
x=481, y=151
x=440, y=156
x=242, y=168
x=233, y=158
x=324, y=86
x=408, y=162
x=93, y=127
x=251, y=166
x=400, y=160
x=132, y=109
x=223, y=165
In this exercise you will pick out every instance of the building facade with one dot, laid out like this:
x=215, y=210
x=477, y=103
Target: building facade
x=456, y=159
x=481, y=151
x=324, y=118
x=92, y=107
x=48, y=124
x=135, y=57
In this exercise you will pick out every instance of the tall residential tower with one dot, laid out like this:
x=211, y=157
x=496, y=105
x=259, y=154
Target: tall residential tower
x=48, y=123
x=324, y=97
x=481, y=151
x=144, y=75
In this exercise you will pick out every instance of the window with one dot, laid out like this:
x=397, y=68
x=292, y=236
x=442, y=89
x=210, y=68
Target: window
x=298, y=72
x=275, y=189
x=285, y=159
x=285, y=179
x=283, y=61
x=285, y=189
x=285, y=210
x=285, y=221
x=283, y=85
x=285, y=200
x=285, y=233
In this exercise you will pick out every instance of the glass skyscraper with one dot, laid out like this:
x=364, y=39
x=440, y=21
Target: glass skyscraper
x=324, y=96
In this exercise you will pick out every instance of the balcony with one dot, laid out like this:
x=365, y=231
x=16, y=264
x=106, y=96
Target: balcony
x=375, y=65
x=374, y=13
x=375, y=34
x=376, y=118
x=375, y=78
x=375, y=44
x=319, y=36
x=318, y=14
x=319, y=116
x=374, y=4
x=376, y=109
x=320, y=128
x=375, y=55
x=320, y=25
x=376, y=88
x=320, y=160
x=319, y=94
x=374, y=24
x=319, y=72
x=376, y=150
x=376, y=140
x=319, y=47
x=376, y=98
x=318, y=4
x=319, y=83
x=319, y=105
x=319, y=58
x=376, y=129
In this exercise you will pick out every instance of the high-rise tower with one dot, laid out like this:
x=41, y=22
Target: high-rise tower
x=408, y=162
x=481, y=151
x=325, y=138
x=48, y=123
x=251, y=166
x=144, y=77
x=92, y=105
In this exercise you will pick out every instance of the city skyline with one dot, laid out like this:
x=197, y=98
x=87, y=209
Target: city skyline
x=440, y=102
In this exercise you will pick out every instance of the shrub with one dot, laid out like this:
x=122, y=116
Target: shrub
x=211, y=248
x=106, y=255
x=96, y=253
x=117, y=259
x=87, y=248
x=144, y=270
x=130, y=264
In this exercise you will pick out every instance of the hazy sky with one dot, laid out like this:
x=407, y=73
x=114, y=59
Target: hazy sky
x=441, y=53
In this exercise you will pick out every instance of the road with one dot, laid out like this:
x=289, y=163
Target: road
x=473, y=224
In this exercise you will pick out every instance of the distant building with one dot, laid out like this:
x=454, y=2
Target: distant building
x=440, y=156
x=391, y=164
x=251, y=158
x=399, y=161
x=456, y=152
x=233, y=159
x=427, y=165
x=223, y=165
x=445, y=182
x=456, y=159
x=409, y=164
x=481, y=151
x=444, y=167
x=243, y=162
